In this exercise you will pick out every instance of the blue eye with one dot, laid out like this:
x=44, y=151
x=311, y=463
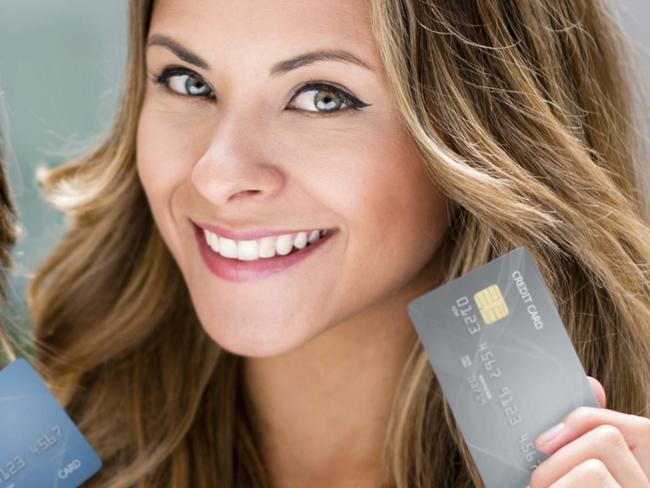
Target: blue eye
x=183, y=82
x=187, y=85
x=327, y=98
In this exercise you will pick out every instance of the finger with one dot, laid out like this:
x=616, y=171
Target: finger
x=591, y=473
x=635, y=430
x=599, y=391
x=605, y=443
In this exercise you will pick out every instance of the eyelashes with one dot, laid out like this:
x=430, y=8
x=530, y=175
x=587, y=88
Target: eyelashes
x=190, y=80
x=183, y=82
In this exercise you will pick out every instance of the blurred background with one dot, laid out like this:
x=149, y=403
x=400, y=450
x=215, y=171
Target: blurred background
x=61, y=67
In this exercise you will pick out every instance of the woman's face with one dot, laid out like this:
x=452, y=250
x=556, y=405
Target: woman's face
x=237, y=136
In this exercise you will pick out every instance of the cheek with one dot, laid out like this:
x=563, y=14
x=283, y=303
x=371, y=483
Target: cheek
x=387, y=196
x=159, y=166
x=394, y=215
x=149, y=163
x=162, y=171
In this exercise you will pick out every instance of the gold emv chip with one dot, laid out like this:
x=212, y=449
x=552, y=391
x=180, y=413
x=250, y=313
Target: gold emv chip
x=491, y=304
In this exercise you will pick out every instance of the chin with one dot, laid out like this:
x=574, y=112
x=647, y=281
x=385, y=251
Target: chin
x=256, y=340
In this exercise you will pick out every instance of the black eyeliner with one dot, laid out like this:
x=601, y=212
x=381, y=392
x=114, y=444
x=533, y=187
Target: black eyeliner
x=319, y=85
x=353, y=101
x=172, y=71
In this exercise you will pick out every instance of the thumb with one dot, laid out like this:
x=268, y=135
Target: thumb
x=599, y=391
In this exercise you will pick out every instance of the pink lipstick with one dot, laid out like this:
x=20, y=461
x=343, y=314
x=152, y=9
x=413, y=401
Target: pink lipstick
x=233, y=269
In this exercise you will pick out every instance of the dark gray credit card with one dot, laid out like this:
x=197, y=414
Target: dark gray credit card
x=505, y=363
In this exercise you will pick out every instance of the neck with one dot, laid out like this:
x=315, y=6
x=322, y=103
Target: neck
x=323, y=408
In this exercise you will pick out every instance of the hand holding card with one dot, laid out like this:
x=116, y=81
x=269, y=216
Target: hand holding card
x=596, y=447
x=504, y=361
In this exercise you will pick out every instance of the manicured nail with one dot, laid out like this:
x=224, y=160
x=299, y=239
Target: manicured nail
x=550, y=434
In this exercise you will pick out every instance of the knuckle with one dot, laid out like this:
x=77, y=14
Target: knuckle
x=610, y=435
x=593, y=470
x=577, y=415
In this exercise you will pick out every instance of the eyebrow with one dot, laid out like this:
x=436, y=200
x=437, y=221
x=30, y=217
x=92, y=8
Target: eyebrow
x=277, y=69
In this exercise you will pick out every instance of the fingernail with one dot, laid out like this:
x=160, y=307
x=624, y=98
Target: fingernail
x=550, y=434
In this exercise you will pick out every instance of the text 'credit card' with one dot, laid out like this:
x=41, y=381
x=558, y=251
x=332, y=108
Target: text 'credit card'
x=504, y=361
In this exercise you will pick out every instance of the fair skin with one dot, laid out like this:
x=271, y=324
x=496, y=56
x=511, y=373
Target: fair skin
x=323, y=343
x=225, y=142
x=597, y=447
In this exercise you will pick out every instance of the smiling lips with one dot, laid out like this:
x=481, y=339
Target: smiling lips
x=249, y=260
x=266, y=247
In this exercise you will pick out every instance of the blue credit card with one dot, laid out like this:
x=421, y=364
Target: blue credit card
x=504, y=361
x=40, y=446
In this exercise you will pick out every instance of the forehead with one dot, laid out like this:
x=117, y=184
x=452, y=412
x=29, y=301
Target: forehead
x=235, y=30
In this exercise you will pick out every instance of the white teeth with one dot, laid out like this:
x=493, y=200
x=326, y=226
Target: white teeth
x=266, y=247
x=212, y=240
x=248, y=250
x=227, y=247
x=215, y=241
x=283, y=244
x=301, y=240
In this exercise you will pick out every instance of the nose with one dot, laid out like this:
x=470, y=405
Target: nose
x=237, y=163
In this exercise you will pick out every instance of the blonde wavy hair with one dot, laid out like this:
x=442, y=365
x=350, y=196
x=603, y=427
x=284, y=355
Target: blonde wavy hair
x=522, y=113
x=10, y=336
